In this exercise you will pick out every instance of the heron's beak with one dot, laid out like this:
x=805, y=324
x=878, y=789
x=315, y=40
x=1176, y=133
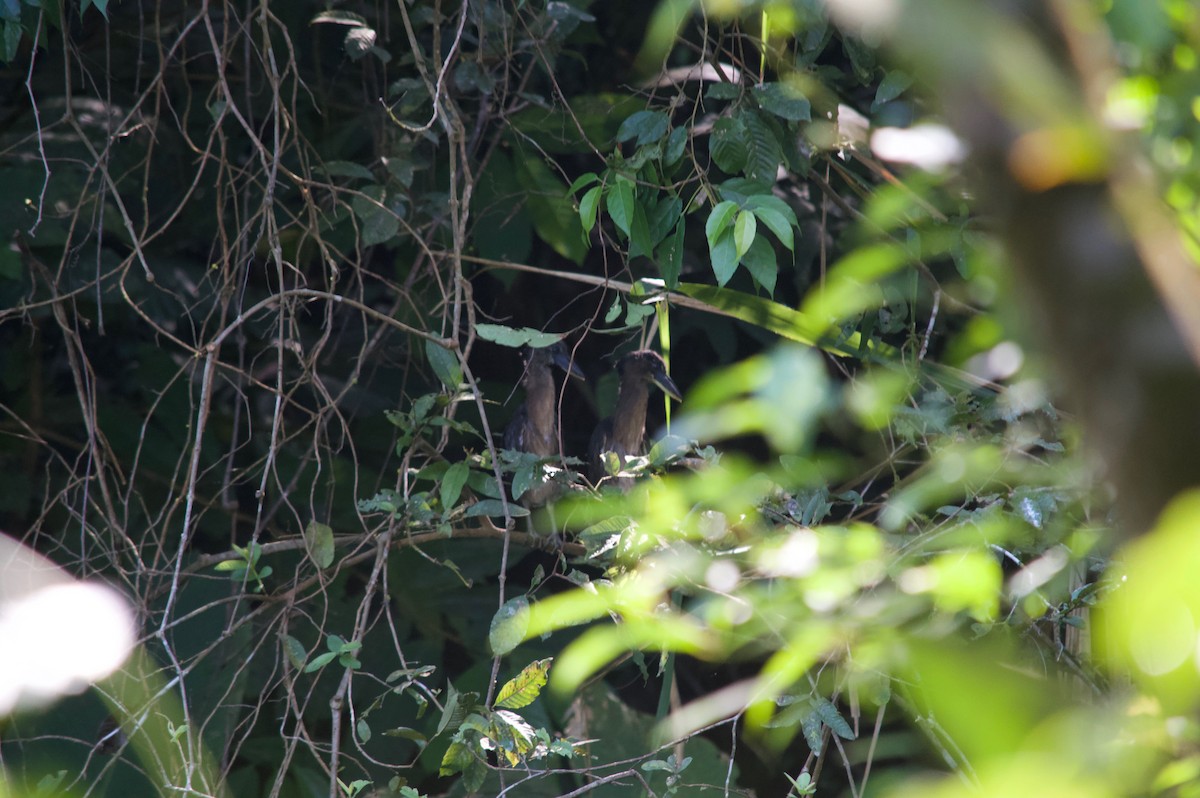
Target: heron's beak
x=562, y=359
x=666, y=384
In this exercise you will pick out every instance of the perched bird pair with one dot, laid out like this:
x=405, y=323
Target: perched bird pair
x=534, y=427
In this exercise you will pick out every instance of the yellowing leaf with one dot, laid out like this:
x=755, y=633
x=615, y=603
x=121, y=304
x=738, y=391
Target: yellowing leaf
x=523, y=689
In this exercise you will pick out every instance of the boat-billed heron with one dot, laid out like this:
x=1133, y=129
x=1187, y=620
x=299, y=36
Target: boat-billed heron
x=624, y=432
x=534, y=426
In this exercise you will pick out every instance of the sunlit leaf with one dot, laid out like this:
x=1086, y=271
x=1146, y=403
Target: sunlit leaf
x=509, y=626
x=744, y=230
x=525, y=687
x=589, y=206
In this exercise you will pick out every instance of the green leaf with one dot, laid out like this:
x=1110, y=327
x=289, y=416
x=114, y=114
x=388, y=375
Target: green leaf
x=525, y=687
x=759, y=260
x=509, y=625
x=777, y=224
x=676, y=143
x=551, y=211
x=379, y=223
x=811, y=726
x=720, y=218
x=347, y=169
x=724, y=257
x=514, y=337
x=784, y=100
x=620, y=204
x=586, y=179
x=892, y=86
x=763, y=152
x=494, y=508
x=663, y=217
x=589, y=206
x=779, y=319
x=833, y=719
x=640, y=242
x=318, y=541
x=722, y=91
x=456, y=759
x=294, y=650
x=452, y=484
x=670, y=257
x=727, y=145
x=445, y=364
x=744, y=230
x=647, y=126
x=12, y=39
x=320, y=661
x=363, y=729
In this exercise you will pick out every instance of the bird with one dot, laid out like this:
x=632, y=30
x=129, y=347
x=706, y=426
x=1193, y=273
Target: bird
x=534, y=425
x=624, y=432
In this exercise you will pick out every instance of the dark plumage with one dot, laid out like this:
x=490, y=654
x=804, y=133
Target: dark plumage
x=624, y=432
x=534, y=426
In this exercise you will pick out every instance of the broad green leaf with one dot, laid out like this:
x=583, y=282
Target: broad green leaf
x=892, y=86
x=320, y=661
x=833, y=719
x=722, y=91
x=318, y=541
x=347, y=169
x=763, y=151
x=452, y=484
x=766, y=200
x=363, y=729
x=744, y=230
x=586, y=179
x=779, y=319
x=777, y=224
x=445, y=364
x=727, y=145
x=640, y=242
x=663, y=217
x=724, y=257
x=760, y=261
x=619, y=203
x=720, y=218
x=676, y=143
x=524, y=476
x=813, y=734
x=589, y=206
x=514, y=337
x=670, y=257
x=493, y=508
x=551, y=211
x=525, y=687
x=456, y=759
x=646, y=126
x=509, y=625
x=379, y=223
x=784, y=100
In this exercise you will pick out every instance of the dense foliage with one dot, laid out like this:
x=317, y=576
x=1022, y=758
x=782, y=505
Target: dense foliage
x=261, y=312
